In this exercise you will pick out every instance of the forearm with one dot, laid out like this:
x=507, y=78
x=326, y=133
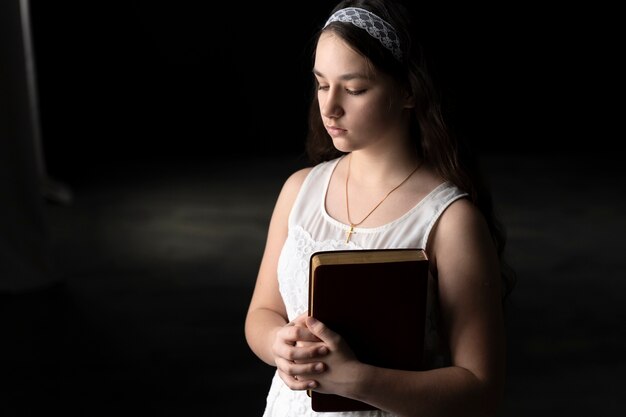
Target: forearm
x=451, y=391
x=261, y=327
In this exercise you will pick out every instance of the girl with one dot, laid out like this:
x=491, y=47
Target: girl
x=387, y=173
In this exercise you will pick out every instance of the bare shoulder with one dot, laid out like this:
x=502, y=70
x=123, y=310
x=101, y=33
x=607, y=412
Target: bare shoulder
x=296, y=179
x=293, y=183
x=462, y=237
x=290, y=190
x=461, y=215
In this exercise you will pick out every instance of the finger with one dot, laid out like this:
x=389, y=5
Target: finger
x=320, y=330
x=295, y=333
x=304, y=370
x=297, y=383
x=300, y=320
x=301, y=354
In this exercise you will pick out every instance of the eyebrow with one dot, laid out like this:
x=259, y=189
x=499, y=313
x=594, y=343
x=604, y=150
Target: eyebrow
x=345, y=77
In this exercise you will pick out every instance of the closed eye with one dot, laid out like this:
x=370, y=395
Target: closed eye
x=321, y=87
x=355, y=92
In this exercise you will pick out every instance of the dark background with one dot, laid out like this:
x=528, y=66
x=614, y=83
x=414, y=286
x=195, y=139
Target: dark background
x=156, y=254
x=141, y=80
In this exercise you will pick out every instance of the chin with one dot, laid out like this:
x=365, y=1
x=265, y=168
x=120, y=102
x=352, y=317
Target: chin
x=342, y=145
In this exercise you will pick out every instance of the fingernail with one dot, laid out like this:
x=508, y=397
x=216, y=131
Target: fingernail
x=312, y=384
x=319, y=367
x=323, y=350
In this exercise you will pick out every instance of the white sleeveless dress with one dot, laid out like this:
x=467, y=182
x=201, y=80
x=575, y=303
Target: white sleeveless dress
x=312, y=229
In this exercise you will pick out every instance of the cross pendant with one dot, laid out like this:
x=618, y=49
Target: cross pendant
x=349, y=233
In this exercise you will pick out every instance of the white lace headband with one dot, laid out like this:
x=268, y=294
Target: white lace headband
x=374, y=25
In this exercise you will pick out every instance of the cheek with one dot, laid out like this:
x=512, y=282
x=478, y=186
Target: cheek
x=375, y=113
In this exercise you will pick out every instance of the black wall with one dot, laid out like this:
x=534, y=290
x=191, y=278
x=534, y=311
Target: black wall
x=142, y=80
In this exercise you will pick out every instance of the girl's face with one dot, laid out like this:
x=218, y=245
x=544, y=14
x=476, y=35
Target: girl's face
x=359, y=106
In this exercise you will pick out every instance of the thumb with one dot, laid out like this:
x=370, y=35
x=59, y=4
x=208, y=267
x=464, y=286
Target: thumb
x=300, y=320
x=320, y=330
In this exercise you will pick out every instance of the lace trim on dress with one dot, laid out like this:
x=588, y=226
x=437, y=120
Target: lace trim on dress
x=293, y=267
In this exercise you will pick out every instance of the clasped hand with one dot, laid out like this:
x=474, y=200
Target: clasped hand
x=309, y=355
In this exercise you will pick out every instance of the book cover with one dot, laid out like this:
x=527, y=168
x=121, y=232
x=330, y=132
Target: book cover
x=376, y=300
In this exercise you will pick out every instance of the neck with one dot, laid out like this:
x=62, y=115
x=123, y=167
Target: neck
x=373, y=170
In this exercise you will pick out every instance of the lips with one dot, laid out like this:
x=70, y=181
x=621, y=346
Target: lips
x=335, y=130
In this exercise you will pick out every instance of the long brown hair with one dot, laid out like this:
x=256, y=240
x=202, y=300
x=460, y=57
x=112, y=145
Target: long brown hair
x=435, y=141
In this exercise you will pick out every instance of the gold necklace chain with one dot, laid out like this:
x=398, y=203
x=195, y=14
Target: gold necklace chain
x=351, y=231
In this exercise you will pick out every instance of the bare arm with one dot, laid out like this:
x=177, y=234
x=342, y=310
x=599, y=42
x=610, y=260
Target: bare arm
x=266, y=312
x=268, y=333
x=469, y=289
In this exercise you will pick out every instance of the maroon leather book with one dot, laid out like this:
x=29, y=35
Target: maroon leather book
x=376, y=300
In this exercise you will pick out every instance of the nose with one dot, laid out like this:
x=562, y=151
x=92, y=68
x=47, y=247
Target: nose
x=330, y=105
